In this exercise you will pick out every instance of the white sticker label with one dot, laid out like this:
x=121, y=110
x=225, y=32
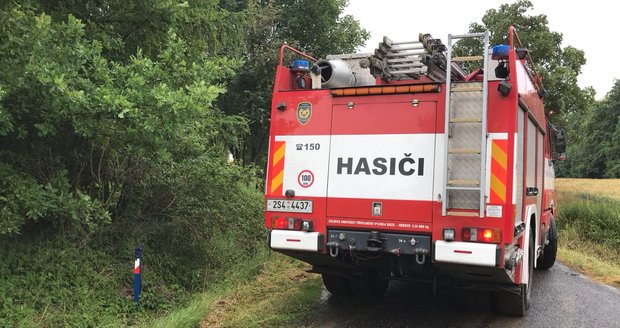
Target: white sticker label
x=305, y=178
x=390, y=166
x=494, y=211
x=305, y=164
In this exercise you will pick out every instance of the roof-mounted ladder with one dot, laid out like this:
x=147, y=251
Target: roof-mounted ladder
x=465, y=136
x=411, y=59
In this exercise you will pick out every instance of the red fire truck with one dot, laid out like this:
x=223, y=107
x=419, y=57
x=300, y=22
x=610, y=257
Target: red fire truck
x=411, y=163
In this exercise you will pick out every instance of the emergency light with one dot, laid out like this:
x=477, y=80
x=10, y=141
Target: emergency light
x=300, y=65
x=500, y=52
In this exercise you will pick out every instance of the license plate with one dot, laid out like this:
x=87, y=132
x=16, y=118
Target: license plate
x=285, y=205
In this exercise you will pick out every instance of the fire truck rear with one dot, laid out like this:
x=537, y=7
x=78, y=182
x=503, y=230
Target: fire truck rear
x=402, y=165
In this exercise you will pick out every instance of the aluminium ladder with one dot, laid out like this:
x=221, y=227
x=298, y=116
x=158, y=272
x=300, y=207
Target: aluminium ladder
x=411, y=59
x=465, y=138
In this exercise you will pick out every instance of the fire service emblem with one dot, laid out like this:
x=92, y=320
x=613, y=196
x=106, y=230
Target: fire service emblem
x=304, y=112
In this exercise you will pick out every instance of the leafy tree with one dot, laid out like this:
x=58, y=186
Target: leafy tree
x=596, y=150
x=112, y=136
x=90, y=133
x=559, y=66
x=316, y=27
x=123, y=27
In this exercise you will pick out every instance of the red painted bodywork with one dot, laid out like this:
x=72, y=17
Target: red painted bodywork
x=331, y=117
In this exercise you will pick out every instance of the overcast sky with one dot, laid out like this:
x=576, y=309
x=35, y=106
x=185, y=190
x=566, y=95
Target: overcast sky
x=587, y=25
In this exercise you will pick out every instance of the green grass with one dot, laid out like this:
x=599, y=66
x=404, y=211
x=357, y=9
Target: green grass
x=267, y=290
x=50, y=281
x=589, y=227
x=53, y=283
x=191, y=314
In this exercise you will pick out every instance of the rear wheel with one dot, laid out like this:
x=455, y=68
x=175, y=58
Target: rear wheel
x=517, y=304
x=337, y=285
x=550, y=251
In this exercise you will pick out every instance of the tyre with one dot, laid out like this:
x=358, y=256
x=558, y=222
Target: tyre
x=517, y=304
x=371, y=285
x=337, y=285
x=550, y=250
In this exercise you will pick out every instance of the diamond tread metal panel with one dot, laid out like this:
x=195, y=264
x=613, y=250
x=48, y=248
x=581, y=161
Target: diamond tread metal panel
x=465, y=135
x=464, y=144
x=465, y=138
x=464, y=167
x=465, y=104
x=464, y=199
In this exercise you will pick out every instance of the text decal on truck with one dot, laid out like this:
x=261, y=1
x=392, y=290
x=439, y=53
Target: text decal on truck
x=380, y=166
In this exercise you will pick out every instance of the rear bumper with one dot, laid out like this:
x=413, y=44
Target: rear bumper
x=467, y=253
x=380, y=242
x=296, y=240
x=478, y=267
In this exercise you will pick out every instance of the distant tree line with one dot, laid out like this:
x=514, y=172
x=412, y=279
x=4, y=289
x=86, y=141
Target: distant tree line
x=594, y=142
x=593, y=126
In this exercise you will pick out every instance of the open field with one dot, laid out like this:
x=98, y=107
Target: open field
x=598, y=187
x=589, y=227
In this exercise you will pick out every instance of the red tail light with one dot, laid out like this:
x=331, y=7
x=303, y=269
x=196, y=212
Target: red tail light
x=484, y=235
x=280, y=223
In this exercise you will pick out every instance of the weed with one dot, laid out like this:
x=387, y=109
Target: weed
x=589, y=226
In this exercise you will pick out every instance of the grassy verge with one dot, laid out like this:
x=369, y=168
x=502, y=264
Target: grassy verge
x=589, y=227
x=267, y=290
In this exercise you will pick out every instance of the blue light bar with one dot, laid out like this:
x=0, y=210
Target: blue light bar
x=500, y=52
x=300, y=65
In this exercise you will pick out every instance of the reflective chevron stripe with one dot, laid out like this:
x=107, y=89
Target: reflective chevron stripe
x=277, y=167
x=499, y=171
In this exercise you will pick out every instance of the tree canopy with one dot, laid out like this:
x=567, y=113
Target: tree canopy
x=594, y=150
x=88, y=123
x=592, y=125
x=117, y=119
x=315, y=27
x=104, y=103
x=559, y=66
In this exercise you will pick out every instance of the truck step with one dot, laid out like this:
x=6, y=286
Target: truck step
x=461, y=188
x=469, y=89
x=464, y=151
x=464, y=182
x=466, y=120
x=466, y=58
x=462, y=213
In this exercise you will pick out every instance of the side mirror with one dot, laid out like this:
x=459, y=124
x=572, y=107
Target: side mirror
x=560, y=143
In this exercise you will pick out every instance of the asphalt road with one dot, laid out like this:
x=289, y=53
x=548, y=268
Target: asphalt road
x=561, y=298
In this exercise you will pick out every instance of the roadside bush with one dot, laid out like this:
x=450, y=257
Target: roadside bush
x=104, y=148
x=595, y=218
x=48, y=280
x=52, y=283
